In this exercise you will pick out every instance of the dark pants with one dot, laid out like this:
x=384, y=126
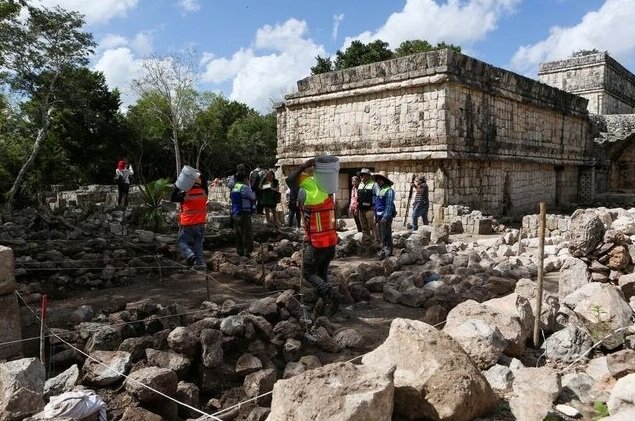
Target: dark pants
x=358, y=222
x=316, y=265
x=123, y=189
x=190, y=242
x=244, y=234
x=294, y=216
x=385, y=236
x=419, y=210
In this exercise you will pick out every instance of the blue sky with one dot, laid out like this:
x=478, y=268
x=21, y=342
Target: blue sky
x=255, y=50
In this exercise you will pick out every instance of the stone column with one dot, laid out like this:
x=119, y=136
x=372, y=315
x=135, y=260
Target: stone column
x=10, y=326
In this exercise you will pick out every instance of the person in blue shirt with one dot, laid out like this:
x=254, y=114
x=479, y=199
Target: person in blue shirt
x=384, y=213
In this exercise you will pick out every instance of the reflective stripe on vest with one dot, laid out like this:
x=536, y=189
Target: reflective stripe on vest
x=365, y=195
x=194, y=207
x=380, y=203
x=319, y=215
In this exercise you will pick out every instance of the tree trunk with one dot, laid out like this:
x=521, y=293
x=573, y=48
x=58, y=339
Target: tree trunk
x=177, y=152
x=39, y=141
x=198, y=155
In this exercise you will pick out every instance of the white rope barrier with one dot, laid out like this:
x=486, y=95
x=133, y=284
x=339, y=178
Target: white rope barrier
x=118, y=373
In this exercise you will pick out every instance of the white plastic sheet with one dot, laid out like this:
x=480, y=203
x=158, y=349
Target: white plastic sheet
x=77, y=405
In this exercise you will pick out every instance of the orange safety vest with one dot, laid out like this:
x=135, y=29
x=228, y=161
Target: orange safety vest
x=319, y=215
x=194, y=207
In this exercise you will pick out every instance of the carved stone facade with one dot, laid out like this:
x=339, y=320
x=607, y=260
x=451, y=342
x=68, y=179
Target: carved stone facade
x=609, y=87
x=483, y=137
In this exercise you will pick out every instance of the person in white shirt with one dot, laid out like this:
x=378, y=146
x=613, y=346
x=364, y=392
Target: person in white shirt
x=122, y=178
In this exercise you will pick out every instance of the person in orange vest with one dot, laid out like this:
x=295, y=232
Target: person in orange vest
x=192, y=219
x=318, y=210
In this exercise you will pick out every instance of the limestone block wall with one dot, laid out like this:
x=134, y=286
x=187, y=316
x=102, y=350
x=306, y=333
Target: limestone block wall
x=433, y=105
x=555, y=225
x=482, y=124
x=406, y=121
x=10, y=327
x=608, y=86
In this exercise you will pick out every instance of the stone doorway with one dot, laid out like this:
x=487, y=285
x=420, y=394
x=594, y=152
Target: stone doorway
x=623, y=166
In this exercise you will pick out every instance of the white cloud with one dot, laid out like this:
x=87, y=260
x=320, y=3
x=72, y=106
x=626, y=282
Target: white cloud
x=142, y=43
x=280, y=56
x=222, y=69
x=454, y=21
x=189, y=6
x=609, y=28
x=120, y=67
x=112, y=41
x=337, y=19
x=95, y=11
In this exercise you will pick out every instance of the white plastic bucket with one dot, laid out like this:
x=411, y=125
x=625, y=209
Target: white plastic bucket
x=186, y=178
x=326, y=170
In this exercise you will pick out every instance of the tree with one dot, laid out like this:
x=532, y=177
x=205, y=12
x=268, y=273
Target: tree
x=36, y=53
x=171, y=80
x=89, y=128
x=416, y=46
x=149, y=139
x=322, y=65
x=359, y=53
x=253, y=140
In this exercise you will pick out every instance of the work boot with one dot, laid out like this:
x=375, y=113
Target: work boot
x=189, y=262
x=332, y=303
x=318, y=309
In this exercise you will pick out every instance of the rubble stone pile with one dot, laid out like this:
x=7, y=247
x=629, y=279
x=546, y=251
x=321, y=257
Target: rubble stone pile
x=468, y=357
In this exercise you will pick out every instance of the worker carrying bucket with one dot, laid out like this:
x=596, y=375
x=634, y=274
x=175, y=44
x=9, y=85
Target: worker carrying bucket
x=191, y=192
x=319, y=179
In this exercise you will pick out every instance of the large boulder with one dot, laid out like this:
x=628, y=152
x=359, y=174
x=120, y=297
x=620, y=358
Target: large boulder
x=535, y=389
x=110, y=369
x=431, y=366
x=602, y=310
x=586, y=232
x=574, y=274
x=549, y=309
x=623, y=395
x=10, y=328
x=61, y=383
x=21, y=388
x=484, y=343
x=339, y=391
x=7, y=271
x=168, y=359
x=510, y=325
x=160, y=379
x=567, y=345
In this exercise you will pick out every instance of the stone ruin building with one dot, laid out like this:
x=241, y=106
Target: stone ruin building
x=484, y=137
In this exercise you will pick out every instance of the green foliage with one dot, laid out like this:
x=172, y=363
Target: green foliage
x=322, y=65
x=602, y=326
x=601, y=409
x=153, y=192
x=37, y=50
x=359, y=53
x=61, y=124
x=407, y=48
